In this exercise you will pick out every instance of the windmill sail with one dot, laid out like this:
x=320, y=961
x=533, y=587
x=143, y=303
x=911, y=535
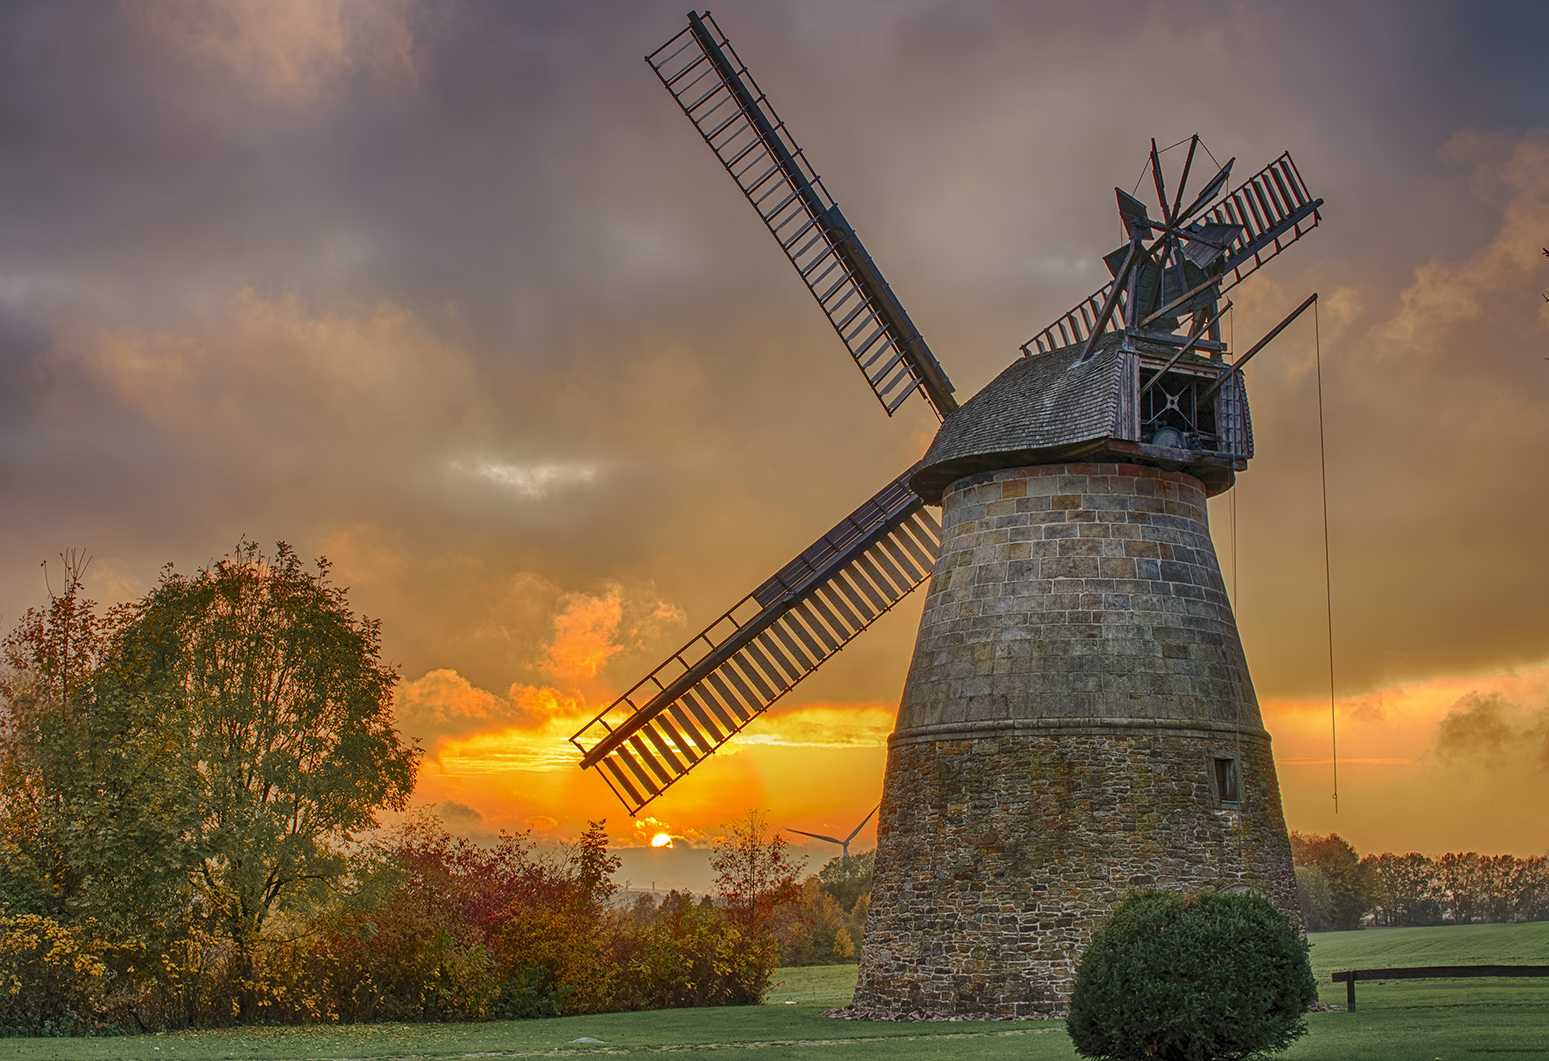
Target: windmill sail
x=1274, y=210
x=712, y=85
x=759, y=650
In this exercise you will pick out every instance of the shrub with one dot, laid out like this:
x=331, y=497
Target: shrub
x=1212, y=977
x=690, y=954
x=52, y=978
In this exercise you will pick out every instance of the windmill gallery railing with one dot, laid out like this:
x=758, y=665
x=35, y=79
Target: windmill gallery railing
x=712, y=85
x=758, y=651
x=1271, y=206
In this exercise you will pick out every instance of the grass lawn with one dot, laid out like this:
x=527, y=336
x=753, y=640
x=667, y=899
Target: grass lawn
x=1398, y=1021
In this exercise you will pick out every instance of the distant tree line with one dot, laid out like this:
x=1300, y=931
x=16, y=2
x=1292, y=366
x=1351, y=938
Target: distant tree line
x=190, y=787
x=1341, y=890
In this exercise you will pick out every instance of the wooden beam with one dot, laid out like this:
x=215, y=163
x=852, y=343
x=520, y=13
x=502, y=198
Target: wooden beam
x=1193, y=339
x=1112, y=301
x=1243, y=360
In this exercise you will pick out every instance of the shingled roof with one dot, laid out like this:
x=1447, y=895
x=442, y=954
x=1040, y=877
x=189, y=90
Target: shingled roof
x=1041, y=408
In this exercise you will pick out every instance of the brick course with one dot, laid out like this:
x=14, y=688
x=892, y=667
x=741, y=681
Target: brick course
x=1077, y=672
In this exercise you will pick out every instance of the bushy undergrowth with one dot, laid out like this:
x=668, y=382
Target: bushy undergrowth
x=1209, y=977
x=434, y=929
x=53, y=979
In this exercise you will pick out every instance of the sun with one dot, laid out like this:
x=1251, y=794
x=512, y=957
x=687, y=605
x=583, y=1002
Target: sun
x=661, y=840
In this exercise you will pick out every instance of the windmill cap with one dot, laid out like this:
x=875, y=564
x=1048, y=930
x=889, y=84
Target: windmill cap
x=1043, y=409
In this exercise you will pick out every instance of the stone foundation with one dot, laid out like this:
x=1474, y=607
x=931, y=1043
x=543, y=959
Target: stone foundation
x=1076, y=680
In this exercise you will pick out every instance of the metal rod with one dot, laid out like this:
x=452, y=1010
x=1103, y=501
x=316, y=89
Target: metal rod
x=1243, y=360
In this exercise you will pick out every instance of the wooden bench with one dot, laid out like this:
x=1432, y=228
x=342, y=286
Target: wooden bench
x=1428, y=972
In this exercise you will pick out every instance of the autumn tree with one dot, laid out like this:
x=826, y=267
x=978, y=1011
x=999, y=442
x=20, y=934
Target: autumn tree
x=284, y=706
x=828, y=923
x=847, y=878
x=195, y=760
x=684, y=953
x=754, y=872
x=420, y=946
x=552, y=944
x=95, y=783
x=1330, y=862
x=1403, y=889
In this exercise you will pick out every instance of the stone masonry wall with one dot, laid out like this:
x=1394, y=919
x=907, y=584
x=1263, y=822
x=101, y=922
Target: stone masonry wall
x=1076, y=677
x=1077, y=591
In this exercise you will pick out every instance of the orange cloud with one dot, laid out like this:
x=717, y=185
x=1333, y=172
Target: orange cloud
x=584, y=635
x=1485, y=731
x=591, y=629
x=1456, y=763
x=543, y=705
x=443, y=701
x=822, y=726
x=507, y=751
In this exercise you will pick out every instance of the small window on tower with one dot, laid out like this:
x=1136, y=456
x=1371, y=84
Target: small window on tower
x=1228, y=783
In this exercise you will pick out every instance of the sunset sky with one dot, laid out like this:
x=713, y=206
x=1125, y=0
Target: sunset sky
x=453, y=294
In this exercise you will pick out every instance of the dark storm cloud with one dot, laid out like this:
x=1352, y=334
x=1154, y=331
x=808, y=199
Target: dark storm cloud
x=454, y=294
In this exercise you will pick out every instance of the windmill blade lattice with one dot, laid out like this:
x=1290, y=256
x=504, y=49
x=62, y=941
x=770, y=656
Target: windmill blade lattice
x=712, y=85
x=1274, y=209
x=758, y=651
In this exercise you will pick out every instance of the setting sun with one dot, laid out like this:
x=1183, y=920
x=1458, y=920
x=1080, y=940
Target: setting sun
x=661, y=840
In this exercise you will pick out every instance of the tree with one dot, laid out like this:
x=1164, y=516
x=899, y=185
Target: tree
x=419, y=947
x=285, y=709
x=847, y=879
x=1348, y=892
x=94, y=782
x=553, y=943
x=1314, y=899
x=1403, y=888
x=1212, y=977
x=754, y=873
x=815, y=930
x=828, y=923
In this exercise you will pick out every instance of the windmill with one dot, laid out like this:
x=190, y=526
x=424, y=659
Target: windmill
x=844, y=845
x=1077, y=652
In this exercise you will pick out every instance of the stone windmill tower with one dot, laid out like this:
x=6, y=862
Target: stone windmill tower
x=1078, y=717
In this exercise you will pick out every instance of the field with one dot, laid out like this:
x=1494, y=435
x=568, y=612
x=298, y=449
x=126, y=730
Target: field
x=1450, y=1020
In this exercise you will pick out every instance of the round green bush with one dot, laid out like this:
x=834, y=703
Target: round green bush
x=1216, y=976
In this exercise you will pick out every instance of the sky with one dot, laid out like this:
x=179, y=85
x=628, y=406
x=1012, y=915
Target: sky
x=453, y=295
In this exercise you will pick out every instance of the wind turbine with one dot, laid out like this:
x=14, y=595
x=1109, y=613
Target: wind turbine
x=845, y=843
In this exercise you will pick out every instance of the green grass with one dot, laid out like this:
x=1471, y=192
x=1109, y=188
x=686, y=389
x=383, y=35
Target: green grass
x=1464, y=1020
x=1377, y=948
x=814, y=985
